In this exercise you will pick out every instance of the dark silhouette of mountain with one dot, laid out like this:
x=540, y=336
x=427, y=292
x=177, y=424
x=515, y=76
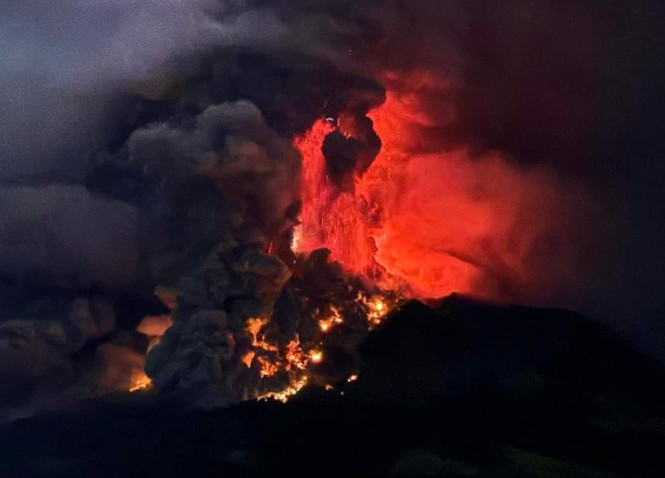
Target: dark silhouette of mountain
x=458, y=388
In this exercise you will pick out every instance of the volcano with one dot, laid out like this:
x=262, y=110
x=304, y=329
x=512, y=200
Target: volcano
x=461, y=388
x=334, y=237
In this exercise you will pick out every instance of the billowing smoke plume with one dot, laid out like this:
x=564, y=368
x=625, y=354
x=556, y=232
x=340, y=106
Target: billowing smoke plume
x=150, y=143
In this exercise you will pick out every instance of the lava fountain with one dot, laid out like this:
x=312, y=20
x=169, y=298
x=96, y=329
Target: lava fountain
x=426, y=221
x=389, y=211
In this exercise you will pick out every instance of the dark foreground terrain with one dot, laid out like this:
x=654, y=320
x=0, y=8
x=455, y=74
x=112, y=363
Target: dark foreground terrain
x=460, y=389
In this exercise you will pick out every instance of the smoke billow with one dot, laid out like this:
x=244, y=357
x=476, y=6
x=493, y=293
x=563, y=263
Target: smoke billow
x=151, y=144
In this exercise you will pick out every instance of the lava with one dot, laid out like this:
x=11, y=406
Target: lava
x=140, y=382
x=425, y=221
x=316, y=356
x=408, y=219
x=296, y=360
x=377, y=307
x=335, y=319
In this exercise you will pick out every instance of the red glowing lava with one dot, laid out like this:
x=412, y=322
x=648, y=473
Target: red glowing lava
x=428, y=222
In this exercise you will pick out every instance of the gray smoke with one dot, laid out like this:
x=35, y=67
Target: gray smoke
x=66, y=235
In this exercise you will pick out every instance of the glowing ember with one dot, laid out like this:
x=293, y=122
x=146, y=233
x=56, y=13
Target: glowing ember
x=377, y=308
x=248, y=357
x=254, y=325
x=284, y=395
x=272, y=360
x=140, y=382
x=316, y=356
x=335, y=319
x=268, y=367
x=295, y=357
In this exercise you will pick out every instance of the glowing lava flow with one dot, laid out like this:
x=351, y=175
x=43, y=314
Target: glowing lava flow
x=424, y=221
x=293, y=360
x=272, y=360
x=140, y=382
x=329, y=219
x=357, y=226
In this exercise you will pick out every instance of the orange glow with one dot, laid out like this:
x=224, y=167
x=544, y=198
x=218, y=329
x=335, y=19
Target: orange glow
x=154, y=327
x=335, y=319
x=253, y=325
x=377, y=308
x=295, y=357
x=247, y=358
x=425, y=221
x=284, y=395
x=272, y=359
x=316, y=356
x=140, y=382
x=168, y=297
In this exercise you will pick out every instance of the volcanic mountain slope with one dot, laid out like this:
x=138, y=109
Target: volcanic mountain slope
x=458, y=388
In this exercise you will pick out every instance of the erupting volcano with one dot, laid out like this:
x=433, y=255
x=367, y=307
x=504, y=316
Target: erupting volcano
x=228, y=225
x=387, y=213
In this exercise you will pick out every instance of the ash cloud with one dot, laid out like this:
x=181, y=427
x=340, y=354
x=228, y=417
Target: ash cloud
x=137, y=134
x=573, y=86
x=66, y=235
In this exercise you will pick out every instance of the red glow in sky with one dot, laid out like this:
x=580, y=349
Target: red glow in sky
x=431, y=222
